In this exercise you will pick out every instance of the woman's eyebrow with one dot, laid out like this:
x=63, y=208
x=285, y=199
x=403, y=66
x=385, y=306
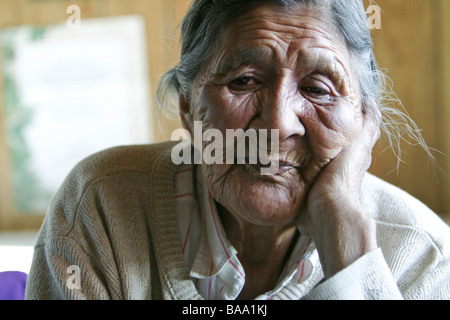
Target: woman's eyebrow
x=239, y=57
x=324, y=64
x=329, y=66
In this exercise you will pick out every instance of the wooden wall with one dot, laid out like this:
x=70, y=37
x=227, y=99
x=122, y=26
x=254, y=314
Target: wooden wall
x=413, y=44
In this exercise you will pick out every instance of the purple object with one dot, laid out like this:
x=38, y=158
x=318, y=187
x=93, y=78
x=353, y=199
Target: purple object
x=12, y=285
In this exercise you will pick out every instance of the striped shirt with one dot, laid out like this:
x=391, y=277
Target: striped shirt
x=209, y=255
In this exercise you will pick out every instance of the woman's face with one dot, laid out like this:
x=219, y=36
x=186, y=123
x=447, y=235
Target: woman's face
x=286, y=71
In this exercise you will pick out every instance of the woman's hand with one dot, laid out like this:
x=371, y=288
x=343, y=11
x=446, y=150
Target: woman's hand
x=332, y=216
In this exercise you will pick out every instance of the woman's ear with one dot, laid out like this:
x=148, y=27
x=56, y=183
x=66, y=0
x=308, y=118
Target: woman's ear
x=185, y=113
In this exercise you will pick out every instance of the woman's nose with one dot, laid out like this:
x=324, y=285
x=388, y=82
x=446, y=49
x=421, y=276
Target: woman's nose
x=284, y=111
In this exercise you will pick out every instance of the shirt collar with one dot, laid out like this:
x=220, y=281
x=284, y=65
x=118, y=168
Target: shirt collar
x=215, y=250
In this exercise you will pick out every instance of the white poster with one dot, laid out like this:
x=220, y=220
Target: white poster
x=70, y=93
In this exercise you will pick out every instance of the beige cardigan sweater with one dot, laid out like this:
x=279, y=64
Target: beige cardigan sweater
x=114, y=219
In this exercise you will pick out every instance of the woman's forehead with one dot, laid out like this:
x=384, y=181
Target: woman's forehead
x=267, y=34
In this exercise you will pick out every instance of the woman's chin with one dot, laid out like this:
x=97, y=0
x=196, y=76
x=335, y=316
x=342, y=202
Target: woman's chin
x=269, y=210
x=263, y=200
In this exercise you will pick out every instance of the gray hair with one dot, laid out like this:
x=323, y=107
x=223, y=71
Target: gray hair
x=207, y=18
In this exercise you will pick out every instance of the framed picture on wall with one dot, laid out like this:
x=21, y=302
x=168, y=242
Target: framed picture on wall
x=68, y=93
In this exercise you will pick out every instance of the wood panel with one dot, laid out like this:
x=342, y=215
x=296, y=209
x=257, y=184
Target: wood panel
x=443, y=115
x=408, y=46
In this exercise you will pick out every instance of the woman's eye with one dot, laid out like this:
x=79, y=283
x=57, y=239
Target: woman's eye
x=316, y=91
x=242, y=82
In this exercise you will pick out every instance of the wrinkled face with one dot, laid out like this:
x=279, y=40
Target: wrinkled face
x=289, y=71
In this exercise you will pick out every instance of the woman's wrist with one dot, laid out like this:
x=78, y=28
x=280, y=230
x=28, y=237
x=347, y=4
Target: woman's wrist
x=343, y=235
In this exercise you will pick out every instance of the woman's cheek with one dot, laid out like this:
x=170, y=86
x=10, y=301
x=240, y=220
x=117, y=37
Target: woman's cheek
x=218, y=109
x=335, y=129
x=350, y=119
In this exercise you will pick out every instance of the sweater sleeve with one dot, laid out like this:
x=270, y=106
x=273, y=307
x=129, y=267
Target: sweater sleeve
x=411, y=266
x=62, y=270
x=413, y=258
x=368, y=278
x=73, y=257
x=94, y=242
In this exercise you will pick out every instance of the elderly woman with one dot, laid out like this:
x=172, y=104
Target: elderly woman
x=128, y=223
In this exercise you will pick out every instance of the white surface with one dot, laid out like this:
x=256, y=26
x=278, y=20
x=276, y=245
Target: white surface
x=16, y=251
x=83, y=90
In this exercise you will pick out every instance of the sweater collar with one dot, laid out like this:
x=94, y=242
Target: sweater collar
x=175, y=280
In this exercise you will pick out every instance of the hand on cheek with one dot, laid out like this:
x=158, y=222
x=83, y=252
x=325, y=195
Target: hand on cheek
x=332, y=216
